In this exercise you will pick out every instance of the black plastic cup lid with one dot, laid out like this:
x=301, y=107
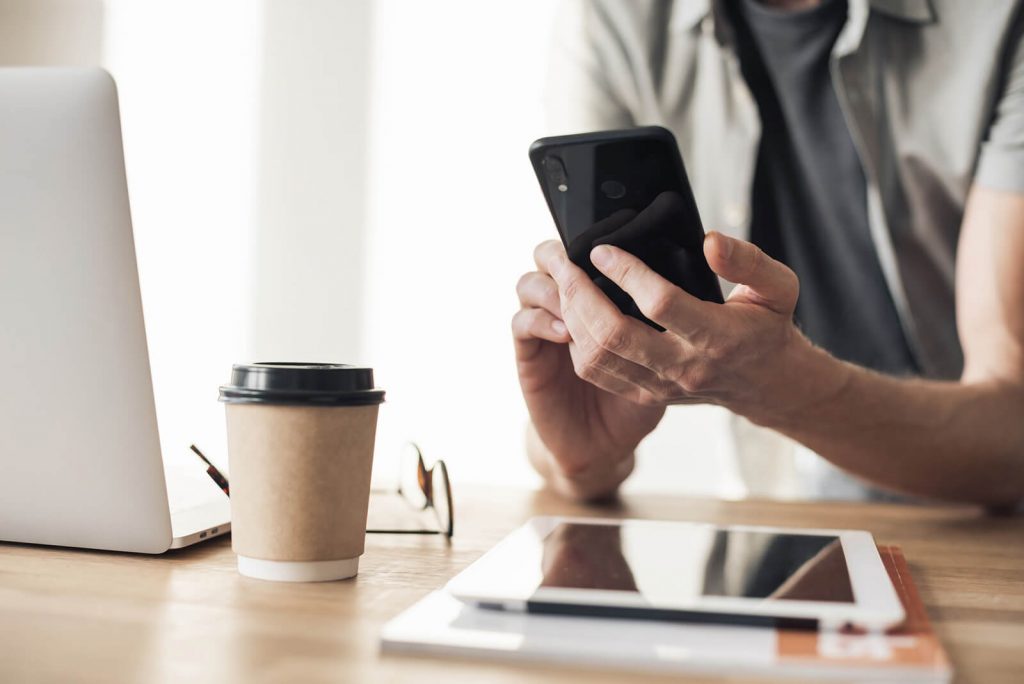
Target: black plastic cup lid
x=320, y=384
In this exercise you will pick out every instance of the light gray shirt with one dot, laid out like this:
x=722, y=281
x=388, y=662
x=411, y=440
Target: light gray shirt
x=932, y=92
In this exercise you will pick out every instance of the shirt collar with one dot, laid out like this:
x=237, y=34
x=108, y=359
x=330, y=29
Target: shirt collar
x=686, y=14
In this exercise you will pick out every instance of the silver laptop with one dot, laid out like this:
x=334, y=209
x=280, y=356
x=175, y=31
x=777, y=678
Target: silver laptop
x=80, y=461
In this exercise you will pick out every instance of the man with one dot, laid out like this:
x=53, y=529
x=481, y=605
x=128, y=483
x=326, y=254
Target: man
x=866, y=159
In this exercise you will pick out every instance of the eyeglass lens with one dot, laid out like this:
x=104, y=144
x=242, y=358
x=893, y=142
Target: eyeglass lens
x=442, y=498
x=413, y=483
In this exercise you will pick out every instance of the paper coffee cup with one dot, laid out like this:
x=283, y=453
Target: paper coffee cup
x=300, y=450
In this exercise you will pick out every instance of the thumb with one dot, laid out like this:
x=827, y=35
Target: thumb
x=772, y=283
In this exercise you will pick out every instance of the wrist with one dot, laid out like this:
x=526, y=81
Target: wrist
x=598, y=478
x=805, y=381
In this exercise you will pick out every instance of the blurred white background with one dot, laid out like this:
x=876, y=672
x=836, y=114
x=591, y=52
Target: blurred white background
x=343, y=181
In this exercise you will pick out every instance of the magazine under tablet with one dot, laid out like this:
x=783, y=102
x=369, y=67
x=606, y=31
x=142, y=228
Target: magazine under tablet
x=686, y=571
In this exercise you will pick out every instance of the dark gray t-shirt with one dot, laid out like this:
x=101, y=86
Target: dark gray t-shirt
x=810, y=196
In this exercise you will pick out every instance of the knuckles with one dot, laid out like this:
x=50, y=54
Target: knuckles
x=585, y=369
x=588, y=361
x=517, y=322
x=697, y=378
x=623, y=272
x=546, y=251
x=720, y=350
x=537, y=289
x=550, y=256
x=700, y=373
x=756, y=261
x=523, y=322
x=792, y=287
x=523, y=284
x=658, y=304
x=647, y=399
x=613, y=337
x=571, y=288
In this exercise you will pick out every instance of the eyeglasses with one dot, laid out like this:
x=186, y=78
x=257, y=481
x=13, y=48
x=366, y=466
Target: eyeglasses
x=422, y=489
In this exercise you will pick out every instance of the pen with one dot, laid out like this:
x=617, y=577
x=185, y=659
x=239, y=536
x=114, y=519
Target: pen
x=212, y=471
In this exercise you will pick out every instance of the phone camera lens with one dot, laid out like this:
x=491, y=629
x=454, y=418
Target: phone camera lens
x=556, y=173
x=613, y=189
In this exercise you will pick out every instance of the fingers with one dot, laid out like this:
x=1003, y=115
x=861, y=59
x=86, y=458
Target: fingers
x=591, y=362
x=531, y=325
x=539, y=290
x=616, y=376
x=615, y=352
x=771, y=282
x=661, y=301
x=598, y=325
x=548, y=255
x=540, y=315
x=534, y=323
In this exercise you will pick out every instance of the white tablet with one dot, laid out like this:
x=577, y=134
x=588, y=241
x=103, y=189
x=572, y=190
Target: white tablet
x=686, y=571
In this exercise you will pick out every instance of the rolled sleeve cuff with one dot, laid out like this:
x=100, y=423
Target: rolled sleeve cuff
x=1001, y=168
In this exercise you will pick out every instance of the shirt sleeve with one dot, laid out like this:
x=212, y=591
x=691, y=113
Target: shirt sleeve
x=1001, y=160
x=578, y=96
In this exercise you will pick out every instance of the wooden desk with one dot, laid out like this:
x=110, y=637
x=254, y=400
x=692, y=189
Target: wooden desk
x=188, y=616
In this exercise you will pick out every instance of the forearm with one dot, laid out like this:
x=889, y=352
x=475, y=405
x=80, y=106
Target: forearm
x=959, y=441
x=599, y=480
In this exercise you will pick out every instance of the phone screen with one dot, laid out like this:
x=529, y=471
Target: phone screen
x=673, y=564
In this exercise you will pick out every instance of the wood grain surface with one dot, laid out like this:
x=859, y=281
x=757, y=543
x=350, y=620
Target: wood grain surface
x=82, y=616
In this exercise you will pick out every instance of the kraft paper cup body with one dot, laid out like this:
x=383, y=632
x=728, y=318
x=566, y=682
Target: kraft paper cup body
x=300, y=487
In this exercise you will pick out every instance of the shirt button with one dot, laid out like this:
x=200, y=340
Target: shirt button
x=734, y=215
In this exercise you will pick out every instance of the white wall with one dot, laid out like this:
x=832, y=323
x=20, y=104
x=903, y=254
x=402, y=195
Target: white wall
x=340, y=180
x=307, y=289
x=455, y=214
x=51, y=32
x=188, y=76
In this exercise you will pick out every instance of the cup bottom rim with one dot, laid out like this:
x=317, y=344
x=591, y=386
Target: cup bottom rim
x=298, y=571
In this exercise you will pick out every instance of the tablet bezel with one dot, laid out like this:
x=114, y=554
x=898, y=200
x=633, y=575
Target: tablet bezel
x=508, y=577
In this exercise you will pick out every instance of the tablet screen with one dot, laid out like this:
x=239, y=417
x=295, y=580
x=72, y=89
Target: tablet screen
x=669, y=563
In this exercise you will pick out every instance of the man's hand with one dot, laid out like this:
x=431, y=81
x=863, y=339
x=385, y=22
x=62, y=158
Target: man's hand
x=582, y=433
x=746, y=354
x=954, y=440
x=596, y=381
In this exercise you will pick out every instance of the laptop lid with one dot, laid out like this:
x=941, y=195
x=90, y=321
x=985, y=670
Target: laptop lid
x=80, y=460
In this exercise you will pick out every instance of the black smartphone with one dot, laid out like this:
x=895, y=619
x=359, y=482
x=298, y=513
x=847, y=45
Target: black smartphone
x=626, y=188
